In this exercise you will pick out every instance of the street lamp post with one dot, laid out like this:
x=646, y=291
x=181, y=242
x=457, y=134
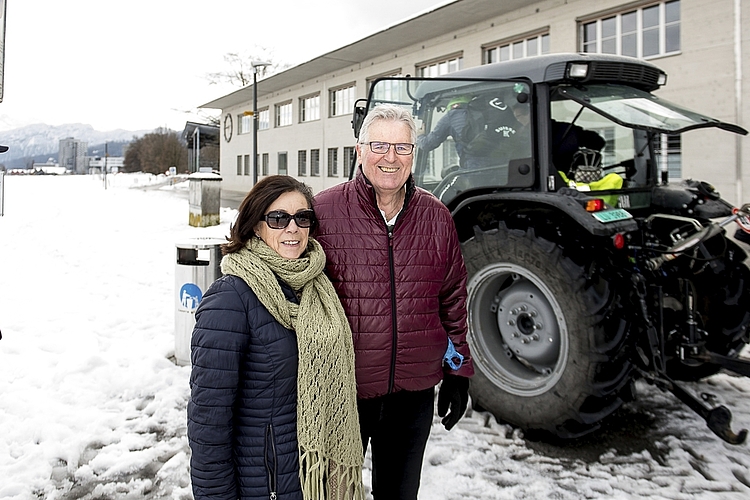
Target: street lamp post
x=256, y=65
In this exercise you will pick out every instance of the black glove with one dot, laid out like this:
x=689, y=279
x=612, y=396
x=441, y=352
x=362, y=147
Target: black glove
x=453, y=393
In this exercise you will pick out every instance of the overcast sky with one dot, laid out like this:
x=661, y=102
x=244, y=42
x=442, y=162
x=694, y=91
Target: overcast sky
x=141, y=64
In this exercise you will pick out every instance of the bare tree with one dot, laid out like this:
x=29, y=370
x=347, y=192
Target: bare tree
x=239, y=72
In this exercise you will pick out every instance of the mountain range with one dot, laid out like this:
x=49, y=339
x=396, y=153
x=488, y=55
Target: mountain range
x=40, y=142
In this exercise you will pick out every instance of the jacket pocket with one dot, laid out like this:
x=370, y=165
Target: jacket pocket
x=271, y=461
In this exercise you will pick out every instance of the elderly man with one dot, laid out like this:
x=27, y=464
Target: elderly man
x=394, y=258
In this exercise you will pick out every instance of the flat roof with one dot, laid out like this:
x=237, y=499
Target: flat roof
x=444, y=18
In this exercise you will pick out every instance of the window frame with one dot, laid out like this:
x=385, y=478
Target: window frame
x=264, y=163
x=315, y=163
x=283, y=112
x=592, y=37
x=244, y=123
x=345, y=109
x=540, y=37
x=306, y=113
x=440, y=66
x=302, y=163
x=264, y=118
x=282, y=163
x=333, y=162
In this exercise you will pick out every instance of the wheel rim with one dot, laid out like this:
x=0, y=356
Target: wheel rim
x=523, y=348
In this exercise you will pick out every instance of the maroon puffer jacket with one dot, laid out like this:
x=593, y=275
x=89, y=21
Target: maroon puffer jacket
x=404, y=293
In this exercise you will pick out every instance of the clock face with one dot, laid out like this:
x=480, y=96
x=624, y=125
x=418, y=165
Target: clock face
x=228, y=127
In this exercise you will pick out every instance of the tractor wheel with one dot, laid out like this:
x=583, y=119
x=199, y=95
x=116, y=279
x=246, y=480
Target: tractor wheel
x=548, y=338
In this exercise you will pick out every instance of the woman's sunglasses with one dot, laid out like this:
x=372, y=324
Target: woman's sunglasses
x=277, y=219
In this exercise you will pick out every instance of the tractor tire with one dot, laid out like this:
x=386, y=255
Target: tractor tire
x=549, y=339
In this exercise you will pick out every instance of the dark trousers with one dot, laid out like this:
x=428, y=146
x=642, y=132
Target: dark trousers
x=397, y=426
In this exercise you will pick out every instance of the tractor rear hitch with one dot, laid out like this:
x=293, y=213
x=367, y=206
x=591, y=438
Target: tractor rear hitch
x=718, y=419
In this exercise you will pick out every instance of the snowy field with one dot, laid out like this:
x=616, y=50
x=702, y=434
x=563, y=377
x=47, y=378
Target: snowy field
x=91, y=406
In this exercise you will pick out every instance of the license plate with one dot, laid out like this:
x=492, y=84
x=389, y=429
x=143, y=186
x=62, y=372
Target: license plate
x=612, y=215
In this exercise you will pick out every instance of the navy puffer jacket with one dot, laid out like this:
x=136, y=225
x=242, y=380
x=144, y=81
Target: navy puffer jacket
x=403, y=289
x=242, y=414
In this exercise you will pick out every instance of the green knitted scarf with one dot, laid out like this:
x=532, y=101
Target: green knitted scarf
x=330, y=446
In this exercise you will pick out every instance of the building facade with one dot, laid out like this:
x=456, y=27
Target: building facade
x=72, y=155
x=304, y=113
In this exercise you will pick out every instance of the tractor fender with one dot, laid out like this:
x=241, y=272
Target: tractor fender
x=570, y=205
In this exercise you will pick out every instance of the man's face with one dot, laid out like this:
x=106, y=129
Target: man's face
x=387, y=172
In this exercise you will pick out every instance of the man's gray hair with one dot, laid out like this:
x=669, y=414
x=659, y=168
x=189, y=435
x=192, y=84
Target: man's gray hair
x=390, y=112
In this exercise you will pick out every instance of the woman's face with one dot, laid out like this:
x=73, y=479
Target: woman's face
x=291, y=241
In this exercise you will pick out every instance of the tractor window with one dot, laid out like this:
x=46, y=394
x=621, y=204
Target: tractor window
x=587, y=147
x=475, y=137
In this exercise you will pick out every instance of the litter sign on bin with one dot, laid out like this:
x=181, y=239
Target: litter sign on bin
x=198, y=265
x=190, y=296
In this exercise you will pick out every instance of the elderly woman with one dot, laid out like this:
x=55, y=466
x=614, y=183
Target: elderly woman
x=273, y=412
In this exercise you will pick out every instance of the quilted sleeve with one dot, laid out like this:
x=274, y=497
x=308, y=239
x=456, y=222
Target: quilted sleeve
x=219, y=337
x=453, y=298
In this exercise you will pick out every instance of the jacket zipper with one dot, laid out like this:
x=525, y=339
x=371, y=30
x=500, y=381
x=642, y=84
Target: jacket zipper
x=394, y=325
x=271, y=462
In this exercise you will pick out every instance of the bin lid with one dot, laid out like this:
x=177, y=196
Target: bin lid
x=204, y=176
x=200, y=243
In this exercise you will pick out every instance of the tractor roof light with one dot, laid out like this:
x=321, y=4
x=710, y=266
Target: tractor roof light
x=662, y=79
x=578, y=70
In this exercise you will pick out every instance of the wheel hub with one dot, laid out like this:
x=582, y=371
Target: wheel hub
x=527, y=325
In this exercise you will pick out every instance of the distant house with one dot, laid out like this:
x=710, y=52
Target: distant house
x=50, y=167
x=97, y=164
x=203, y=146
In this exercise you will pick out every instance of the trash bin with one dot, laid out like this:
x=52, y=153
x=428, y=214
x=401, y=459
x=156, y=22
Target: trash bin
x=204, y=199
x=198, y=262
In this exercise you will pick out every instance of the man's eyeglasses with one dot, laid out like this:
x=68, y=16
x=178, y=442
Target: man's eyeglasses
x=277, y=219
x=381, y=148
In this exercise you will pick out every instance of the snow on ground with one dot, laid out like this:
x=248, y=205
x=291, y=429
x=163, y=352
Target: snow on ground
x=92, y=407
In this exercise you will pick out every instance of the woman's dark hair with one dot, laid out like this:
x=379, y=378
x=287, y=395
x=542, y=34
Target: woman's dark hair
x=256, y=203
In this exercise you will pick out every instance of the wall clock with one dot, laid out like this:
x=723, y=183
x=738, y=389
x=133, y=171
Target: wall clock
x=228, y=127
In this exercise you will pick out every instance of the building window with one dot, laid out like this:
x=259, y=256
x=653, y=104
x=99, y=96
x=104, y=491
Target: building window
x=349, y=155
x=247, y=164
x=264, y=119
x=264, y=163
x=284, y=114
x=315, y=162
x=647, y=32
x=387, y=90
x=283, y=164
x=442, y=67
x=516, y=49
x=669, y=153
x=309, y=108
x=244, y=124
x=342, y=100
x=333, y=162
x=301, y=163
x=239, y=164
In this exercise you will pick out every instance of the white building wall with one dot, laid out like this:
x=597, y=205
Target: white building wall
x=703, y=76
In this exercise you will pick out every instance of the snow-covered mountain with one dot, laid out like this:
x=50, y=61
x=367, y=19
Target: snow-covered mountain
x=44, y=140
